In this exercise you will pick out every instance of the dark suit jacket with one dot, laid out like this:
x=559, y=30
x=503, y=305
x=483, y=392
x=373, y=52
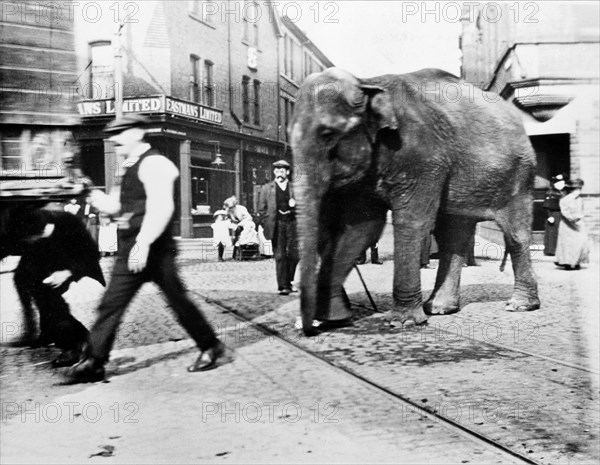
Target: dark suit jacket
x=267, y=207
x=69, y=247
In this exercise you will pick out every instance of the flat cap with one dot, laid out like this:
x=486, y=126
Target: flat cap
x=281, y=164
x=127, y=121
x=220, y=212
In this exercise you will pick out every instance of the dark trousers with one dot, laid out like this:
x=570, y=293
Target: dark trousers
x=56, y=322
x=123, y=286
x=362, y=259
x=285, y=248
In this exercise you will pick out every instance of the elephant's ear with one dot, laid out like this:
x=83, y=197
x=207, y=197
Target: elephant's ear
x=382, y=123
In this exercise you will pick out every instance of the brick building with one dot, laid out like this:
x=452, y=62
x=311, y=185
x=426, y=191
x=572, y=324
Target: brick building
x=544, y=58
x=37, y=64
x=207, y=74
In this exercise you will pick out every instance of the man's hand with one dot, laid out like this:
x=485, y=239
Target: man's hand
x=108, y=204
x=138, y=257
x=57, y=278
x=95, y=197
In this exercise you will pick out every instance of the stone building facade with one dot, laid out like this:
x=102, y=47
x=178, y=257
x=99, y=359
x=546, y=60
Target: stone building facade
x=545, y=59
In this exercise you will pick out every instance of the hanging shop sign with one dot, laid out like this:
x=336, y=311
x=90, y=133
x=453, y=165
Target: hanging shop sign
x=157, y=104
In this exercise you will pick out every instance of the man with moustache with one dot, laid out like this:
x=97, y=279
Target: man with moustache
x=278, y=217
x=146, y=251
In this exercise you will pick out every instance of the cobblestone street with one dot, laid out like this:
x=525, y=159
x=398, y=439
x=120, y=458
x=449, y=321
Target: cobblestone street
x=372, y=393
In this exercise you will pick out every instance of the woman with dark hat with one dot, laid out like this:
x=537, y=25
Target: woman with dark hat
x=572, y=244
x=551, y=205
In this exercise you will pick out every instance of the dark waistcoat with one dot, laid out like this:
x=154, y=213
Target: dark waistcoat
x=133, y=204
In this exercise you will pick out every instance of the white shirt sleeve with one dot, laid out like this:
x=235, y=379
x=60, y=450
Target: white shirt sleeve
x=158, y=174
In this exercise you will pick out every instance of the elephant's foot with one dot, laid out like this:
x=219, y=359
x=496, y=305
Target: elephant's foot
x=405, y=316
x=522, y=305
x=439, y=307
x=338, y=309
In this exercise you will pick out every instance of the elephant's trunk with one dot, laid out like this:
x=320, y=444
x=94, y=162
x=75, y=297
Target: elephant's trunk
x=311, y=185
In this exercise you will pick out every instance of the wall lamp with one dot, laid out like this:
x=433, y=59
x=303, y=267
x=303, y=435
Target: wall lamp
x=218, y=161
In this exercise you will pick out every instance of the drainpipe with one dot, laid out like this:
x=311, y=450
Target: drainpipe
x=118, y=72
x=238, y=153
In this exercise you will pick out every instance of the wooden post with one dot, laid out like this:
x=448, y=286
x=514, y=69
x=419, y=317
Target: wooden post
x=186, y=222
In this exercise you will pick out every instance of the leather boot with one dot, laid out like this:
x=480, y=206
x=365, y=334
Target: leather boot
x=69, y=357
x=212, y=358
x=89, y=370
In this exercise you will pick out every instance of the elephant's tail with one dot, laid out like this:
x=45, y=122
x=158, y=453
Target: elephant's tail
x=503, y=264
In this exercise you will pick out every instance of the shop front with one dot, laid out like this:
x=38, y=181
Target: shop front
x=214, y=162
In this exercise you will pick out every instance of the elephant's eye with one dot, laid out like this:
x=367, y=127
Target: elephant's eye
x=326, y=132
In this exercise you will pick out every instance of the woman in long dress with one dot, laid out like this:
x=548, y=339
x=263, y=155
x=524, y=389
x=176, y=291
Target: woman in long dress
x=572, y=245
x=552, y=207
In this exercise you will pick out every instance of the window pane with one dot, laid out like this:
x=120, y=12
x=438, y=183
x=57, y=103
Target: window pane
x=245, y=99
x=257, y=102
x=194, y=78
x=209, y=96
x=102, y=85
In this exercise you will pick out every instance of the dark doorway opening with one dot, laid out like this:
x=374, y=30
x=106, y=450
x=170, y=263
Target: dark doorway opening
x=553, y=157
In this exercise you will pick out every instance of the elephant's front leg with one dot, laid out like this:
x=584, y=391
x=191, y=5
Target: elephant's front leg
x=408, y=299
x=337, y=260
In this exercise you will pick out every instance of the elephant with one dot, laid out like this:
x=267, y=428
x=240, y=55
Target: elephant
x=439, y=153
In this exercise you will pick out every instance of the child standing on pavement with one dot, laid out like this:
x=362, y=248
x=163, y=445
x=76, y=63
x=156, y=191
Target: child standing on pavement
x=221, y=235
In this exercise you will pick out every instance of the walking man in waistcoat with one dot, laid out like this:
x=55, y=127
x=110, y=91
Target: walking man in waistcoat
x=146, y=251
x=278, y=216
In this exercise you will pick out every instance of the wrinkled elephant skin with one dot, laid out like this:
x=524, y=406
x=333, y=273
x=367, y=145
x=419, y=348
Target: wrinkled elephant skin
x=439, y=153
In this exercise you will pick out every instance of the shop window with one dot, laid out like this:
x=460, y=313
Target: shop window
x=10, y=151
x=199, y=188
x=210, y=184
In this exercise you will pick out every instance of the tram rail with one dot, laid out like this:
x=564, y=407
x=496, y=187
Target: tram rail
x=476, y=436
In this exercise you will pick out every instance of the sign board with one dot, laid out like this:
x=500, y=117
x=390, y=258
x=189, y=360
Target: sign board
x=157, y=104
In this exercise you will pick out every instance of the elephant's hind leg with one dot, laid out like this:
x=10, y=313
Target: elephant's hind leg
x=516, y=226
x=453, y=234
